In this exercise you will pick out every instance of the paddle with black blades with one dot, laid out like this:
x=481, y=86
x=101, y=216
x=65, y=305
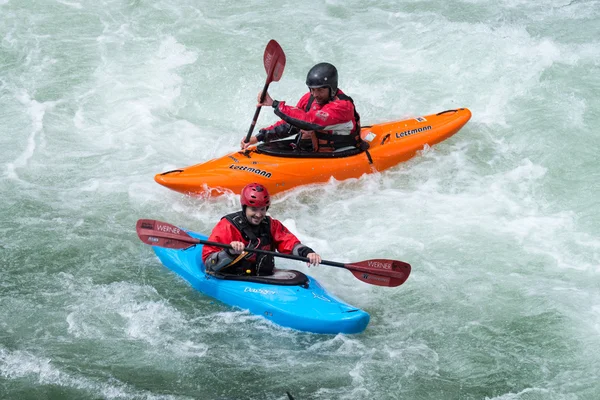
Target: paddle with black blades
x=380, y=272
x=274, y=60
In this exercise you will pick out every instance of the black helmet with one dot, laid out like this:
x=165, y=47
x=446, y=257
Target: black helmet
x=323, y=75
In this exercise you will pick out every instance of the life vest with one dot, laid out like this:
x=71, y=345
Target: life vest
x=326, y=142
x=258, y=237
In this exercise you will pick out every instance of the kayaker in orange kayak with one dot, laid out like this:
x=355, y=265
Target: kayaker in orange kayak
x=252, y=228
x=325, y=117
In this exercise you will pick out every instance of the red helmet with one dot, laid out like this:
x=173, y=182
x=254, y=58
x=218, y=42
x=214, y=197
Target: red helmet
x=255, y=195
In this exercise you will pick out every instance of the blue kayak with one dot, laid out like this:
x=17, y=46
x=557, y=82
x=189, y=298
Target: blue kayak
x=288, y=298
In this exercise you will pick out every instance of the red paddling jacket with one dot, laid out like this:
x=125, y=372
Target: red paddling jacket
x=336, y=123
x=270, y=235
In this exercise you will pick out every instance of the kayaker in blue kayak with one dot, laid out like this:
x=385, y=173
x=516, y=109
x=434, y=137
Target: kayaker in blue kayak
x=252, y=228
x=325, y=116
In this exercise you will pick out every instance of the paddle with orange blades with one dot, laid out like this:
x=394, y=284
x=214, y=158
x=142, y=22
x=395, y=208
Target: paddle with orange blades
x=380, y=272
x=274, y=60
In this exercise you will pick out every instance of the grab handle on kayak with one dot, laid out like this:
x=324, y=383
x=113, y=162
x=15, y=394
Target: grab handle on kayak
x=447, y=111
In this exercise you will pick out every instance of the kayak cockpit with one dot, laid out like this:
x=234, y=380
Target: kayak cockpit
x=282, y=277
x=291, y=148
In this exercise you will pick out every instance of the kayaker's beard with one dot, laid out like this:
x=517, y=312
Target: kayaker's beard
x=254, y=218
x=322, y=102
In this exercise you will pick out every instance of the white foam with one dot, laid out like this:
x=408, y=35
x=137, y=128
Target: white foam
x=23, y=364
x=36, y=112
x=129, y=311
x=75, y=5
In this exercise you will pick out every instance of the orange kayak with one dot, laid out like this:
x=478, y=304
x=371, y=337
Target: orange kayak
x=280, y=168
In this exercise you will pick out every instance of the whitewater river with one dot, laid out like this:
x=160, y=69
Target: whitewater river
x=501, y=222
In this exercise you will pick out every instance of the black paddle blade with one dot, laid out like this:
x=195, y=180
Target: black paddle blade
x=157, y=233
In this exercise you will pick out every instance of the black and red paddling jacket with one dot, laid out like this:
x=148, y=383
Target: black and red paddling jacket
x=270, y=235
x=336, y=123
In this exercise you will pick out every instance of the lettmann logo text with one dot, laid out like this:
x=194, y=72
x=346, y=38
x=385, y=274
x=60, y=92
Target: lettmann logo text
x=250, y=169
x=413, y=131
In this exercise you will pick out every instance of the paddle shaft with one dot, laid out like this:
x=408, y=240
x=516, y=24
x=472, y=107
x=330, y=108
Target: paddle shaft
x=257, y=112
x=369, y=267
x=379, y=272
x=192, y=240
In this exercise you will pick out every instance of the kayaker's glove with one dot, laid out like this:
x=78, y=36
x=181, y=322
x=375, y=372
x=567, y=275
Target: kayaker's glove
x=264, y=135
x=279, y=132
x=218, y=260
x=302, y=250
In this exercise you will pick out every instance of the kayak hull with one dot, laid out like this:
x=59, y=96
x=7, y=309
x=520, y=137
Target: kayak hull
x=308, y=308
x=390, y=143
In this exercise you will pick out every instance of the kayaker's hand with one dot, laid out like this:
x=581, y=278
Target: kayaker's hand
x=238, y=247
x=268, y=102
x=244, y=145
x=314, y=259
